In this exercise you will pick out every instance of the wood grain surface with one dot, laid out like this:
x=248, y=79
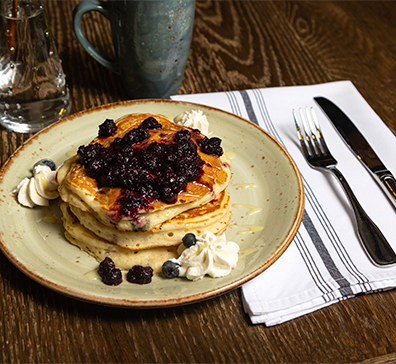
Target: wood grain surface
x=236, y=45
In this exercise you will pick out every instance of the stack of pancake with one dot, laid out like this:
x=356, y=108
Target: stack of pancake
x=89, y=210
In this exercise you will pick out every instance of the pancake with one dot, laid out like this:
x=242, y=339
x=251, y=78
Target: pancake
x=82, y=191
x=149, y=232
x=99, y=248
x=213, y=216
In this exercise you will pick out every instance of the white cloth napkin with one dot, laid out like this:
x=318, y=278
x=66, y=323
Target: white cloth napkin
x=325, y=263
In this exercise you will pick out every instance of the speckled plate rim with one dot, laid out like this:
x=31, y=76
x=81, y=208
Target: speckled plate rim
x=12, y=256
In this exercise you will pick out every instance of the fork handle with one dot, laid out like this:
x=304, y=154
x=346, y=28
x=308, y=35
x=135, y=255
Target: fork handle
x=370, y=235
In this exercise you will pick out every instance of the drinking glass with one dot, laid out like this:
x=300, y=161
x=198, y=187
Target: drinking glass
x=33, y=90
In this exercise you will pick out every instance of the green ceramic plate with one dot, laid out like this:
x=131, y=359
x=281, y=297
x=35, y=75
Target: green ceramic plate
x=264, y=177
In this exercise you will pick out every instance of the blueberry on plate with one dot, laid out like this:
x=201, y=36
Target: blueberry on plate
x=189, y=240
x=170, y=269
x=140, y=275
x=46, y=162
x=110, y=275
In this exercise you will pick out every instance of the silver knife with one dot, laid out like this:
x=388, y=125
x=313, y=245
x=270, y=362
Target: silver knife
x=360, y=147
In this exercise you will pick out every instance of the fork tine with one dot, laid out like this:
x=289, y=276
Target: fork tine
x=301, y=134
x=307, y=134
x=313, y=130
x=320, y=138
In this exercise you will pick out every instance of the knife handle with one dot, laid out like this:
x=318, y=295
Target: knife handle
x=371, y=237
x=388, y=185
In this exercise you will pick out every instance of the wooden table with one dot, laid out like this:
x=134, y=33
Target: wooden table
x=236, y=45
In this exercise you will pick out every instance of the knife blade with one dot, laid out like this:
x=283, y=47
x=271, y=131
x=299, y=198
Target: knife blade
x=360, y=147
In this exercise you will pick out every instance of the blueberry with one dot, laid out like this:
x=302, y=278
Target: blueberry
x=189, y=240
x=140, y=275
x=109, y=273
x=211, y=146
x=151, y=123
x=167, y=194
x=46, y=162
x=170, y=269
x=182, y=135
x=135, y=136
x=106, y=265
x=107, y=128
x=113, y=278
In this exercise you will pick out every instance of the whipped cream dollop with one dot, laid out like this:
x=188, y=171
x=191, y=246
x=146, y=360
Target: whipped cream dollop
x=39, y=189
x=212, y=255
x=195, y=119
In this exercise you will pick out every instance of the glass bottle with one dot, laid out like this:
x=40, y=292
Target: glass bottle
x=33, y=90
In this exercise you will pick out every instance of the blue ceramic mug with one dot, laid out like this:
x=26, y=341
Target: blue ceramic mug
x=151, y=40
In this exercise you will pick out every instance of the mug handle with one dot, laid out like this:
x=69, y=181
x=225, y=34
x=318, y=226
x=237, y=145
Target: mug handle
x=85, y=7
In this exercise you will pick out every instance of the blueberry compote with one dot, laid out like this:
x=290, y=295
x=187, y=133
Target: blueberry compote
x=110, y=275
x=146, y=171
x=211, y=146
x=107, y=128
x=140, y=275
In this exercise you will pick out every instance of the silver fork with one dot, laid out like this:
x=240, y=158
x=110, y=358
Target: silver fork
x=318, y=156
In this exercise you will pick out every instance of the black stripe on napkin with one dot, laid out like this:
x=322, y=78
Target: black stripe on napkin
x=314, y=271
x=345, y=287
x=249, y=107
x=335, y=240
